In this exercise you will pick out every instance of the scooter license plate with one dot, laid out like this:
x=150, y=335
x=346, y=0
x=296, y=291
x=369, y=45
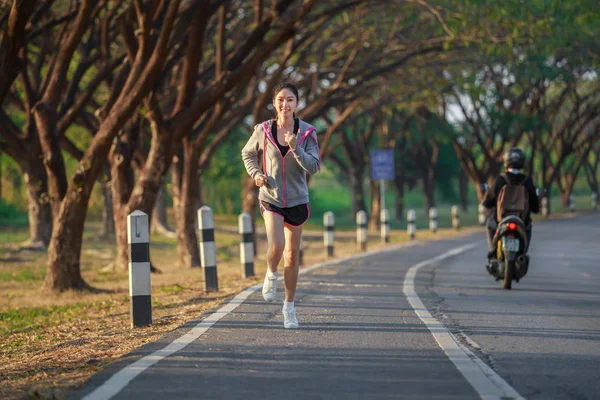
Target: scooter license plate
x=510, y=244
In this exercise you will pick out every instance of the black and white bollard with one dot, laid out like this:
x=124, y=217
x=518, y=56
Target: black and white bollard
x=481, y=214
x=433, y=219
x=138, y=238
x=361, y=230
x=328, y=234
x=246, y=245
x=384, y=218
x=208, y=248
x=571, y=203
x=594, y=200
x=455, y=217
x=411, y=218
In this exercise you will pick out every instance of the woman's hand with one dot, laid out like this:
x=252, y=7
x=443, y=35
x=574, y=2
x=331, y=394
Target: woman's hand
x=290, y=139
x=260, y=180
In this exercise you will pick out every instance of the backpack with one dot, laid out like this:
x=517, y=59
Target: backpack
x=512, y=200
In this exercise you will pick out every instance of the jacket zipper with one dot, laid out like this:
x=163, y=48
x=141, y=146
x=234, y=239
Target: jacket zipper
x=283, y=174
x=282, y=168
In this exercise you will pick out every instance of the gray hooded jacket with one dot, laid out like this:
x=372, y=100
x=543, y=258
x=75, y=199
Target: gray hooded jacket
x=286, y=176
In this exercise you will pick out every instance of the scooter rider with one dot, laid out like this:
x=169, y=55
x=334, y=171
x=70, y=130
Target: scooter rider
x=514, y=162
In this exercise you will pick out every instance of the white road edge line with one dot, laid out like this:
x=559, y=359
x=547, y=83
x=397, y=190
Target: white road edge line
x=487, y=383
x=121, y=379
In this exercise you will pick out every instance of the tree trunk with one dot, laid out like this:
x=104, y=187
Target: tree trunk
x=564, y=198
x=108, y=215
x=39, y=210
x=431, y=189
x=374, y=222
x=591, y=172
x=399, y=185
x=147, y=185
x=159, y=216
x=428, y=190
x=426, y=160
x=358, y=195
x=570, y=177
x=480, y=191
x=547, y=187
x=549, y=201
x=199, y=196
x=187, y=240
x=64, y=250
x=45, y=121
x=463, y=183
x=14, y=38
x=177, y=195
x=122, y=257
x=121, y=188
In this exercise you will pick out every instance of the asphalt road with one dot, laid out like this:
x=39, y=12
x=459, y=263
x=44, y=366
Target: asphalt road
x=368, y=329
x=544, y=334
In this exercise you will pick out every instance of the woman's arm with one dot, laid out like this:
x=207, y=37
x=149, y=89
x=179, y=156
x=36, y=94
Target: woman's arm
x=252, y=151
x=309, y=159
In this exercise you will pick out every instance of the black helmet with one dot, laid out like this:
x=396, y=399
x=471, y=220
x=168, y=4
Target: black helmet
x=514, y=158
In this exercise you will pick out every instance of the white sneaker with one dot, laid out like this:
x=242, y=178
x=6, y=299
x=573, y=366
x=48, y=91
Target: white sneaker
x=289, y=319
x=269, y=289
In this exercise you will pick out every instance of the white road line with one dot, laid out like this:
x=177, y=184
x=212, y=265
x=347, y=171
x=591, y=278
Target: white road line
x=488, y=384
x=121, y=379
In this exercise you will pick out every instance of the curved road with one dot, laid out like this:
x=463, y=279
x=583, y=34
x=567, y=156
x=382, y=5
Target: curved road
x=421, y=321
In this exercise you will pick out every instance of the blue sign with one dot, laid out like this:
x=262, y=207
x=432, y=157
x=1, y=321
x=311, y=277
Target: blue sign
x=382, y=164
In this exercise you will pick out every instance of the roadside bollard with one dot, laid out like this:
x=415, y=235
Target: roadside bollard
x=594, y=200
x=545, y=207
x=246, y=245
x=481, y=214
x=411, y=218
x=455, y=217
x=328, y=234
x=384, y=218
x=433, y=219
x=208, y=248
x=138, y=238
x=361, y=230
x=301, y=252
x=571, y=203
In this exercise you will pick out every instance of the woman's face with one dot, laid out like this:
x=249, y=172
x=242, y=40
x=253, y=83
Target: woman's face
x=285, y=103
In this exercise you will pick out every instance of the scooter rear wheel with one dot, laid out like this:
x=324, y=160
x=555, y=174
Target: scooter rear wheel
x=509, y=272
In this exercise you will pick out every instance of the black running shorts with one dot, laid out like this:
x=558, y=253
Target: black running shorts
x=294, y=216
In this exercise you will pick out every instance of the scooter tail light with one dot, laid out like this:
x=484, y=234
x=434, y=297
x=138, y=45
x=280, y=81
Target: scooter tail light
x=512, y=226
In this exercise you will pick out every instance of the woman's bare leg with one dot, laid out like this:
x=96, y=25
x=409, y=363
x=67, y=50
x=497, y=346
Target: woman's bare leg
x=275, y=239
x=291, y=264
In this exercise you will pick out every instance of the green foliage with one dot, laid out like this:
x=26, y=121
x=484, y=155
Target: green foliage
x=222, y=180
x=13, y=185
x=11, y=215
x=447, y=172
x=328, y=193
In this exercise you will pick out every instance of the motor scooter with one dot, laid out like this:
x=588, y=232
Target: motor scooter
x=511, y=243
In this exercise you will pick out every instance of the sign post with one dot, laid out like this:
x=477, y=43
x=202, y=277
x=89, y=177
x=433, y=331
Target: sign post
x=382, y=169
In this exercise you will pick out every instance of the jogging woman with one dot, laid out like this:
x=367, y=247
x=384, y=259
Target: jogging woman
x=289, y=150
